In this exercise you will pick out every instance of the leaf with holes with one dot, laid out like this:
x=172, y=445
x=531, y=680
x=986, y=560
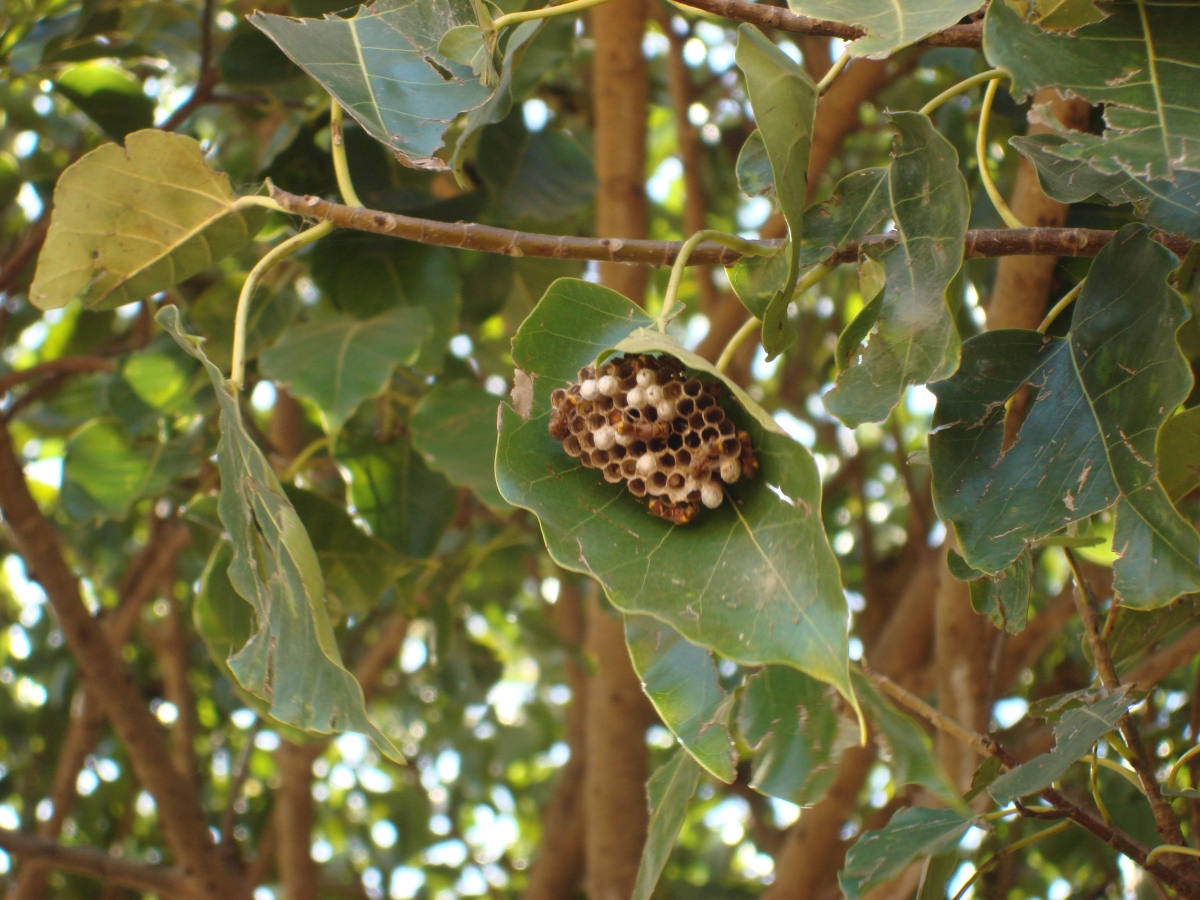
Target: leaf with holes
x=129, y=222
x=1088, y=440
x=913, y=340
x=912, y=834
x=754, y=580
x=681, y=681
x=1141, y=62
x=384, y=66
x=785, y=104
x=1074, y=736
x=291, y=658
x=889, y=24
x=670, y=789
x=339, y=363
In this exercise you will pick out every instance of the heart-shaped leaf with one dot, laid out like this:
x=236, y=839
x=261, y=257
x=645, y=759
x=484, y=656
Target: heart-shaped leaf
x=1088, y=440
x=338, y=363
x=754, y=580
x=291, y=659
x=385, y=67
x=1141, y=62
x=129, y=222
x=915, y=340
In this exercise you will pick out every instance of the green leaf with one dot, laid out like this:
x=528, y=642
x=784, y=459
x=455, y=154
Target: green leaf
x=1087, y=441
x=454, y=429
x=109, y=96
x=1178, y=465
x=252, y=59
x=1171, y=206
x=105, y=471
x=225, y=621
x=681, y=681
x=357, y=567
x=129, y=222
x=889, y=24
x=754, y=580
x=1004, y=597
x=936, y=875
x=858, y=204
x=1074, y=735
x=1141, y=62
x=792, y=725
x=916, y=340
x=671, y=789
x=291, y=658
x=338, y=363
x=912, y=833
x=754, y=175
x=1137, y=631
x=403, y=502
x=909, y=749
x=1065, y=15
x=384, y=66
x=784, y=99
x=546, y=175
x=10, y=179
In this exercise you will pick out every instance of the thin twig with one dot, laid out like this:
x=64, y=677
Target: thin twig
x=61, y=366
x=489, y=239
x=1166, y=823
x=208, y=77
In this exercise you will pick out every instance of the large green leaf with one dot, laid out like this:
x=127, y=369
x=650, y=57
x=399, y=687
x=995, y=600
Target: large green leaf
x=129, y=222
x=383, y=65
x=105, y=471
x=915, y=339
x=454, y=429
x=859, y=203
x=358, y=568
x=1142, y=61
x=754, y=580
x=889, y=24
x=110, y=96
x=911, y=834
x=792, y=725
x=681, y=681
x=338, y=363
x=1003, y=597
x=671, y=789
x=785, y=104
x=291, y=658
x=1171, y=206
x=1087, y=441
x=401, y=500
x=543, y=175
x=1074, y=736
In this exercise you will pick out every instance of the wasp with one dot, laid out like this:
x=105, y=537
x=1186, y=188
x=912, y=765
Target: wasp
x=675, y=513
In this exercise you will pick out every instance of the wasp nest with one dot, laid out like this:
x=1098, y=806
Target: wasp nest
x=641, y=420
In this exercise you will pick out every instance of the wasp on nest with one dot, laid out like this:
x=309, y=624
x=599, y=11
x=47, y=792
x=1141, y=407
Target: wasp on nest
x=641, y=420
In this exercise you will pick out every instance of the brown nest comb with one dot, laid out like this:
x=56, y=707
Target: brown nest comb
x=641, y=420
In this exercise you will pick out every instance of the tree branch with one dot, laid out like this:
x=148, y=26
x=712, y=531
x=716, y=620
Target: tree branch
x=207, y=78
x=63, y=366
x=767, y=16
x=489, y=239
x=166, y=881
x=178, y=801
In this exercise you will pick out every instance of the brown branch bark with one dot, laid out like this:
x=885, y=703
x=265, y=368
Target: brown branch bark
x=180, y=811
x=557, y=869
x=294, y=815
x=168, y=639
x=489, y=239
x=767, y=16
x=166, y=881
x=66, y=365
x=26, y=250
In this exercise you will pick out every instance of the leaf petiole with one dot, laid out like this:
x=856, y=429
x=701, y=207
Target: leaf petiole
x=1067, y=299
x=259, y=200
x=732, y=241
x=834, y=71
x=985, y=113
x=954, y=90
x=341, y=167
x=237, y=370
x=545, y=12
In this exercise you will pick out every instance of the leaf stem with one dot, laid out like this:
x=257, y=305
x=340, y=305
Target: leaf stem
x=834, y=71
x=732, y=241
x=1169, y=848
x=341, y=167
x=302, y=459
x=1173, y=775
x=1093, y=771
x=985, y=113
x=739, y=338
x=237, y=370
x=1067, y=299
x=1012, y=848
x=259, y=200
x=1113, y=766
x=545, y=12
x=954, y=90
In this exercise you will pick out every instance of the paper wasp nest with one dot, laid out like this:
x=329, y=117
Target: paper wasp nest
x=641, y=420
